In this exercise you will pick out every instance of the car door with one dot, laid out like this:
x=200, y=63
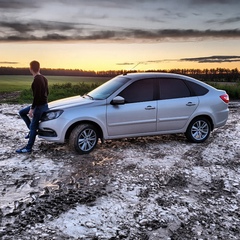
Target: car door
x=138, y=113
x=175, y=105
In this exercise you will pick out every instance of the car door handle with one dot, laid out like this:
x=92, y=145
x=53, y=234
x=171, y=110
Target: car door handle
x=149, y=108
x=190, y=104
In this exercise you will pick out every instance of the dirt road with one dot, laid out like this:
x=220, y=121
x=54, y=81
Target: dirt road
x=145, y=188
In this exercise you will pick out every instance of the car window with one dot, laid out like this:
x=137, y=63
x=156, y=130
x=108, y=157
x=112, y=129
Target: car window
x=197, y=89
x=109, y=87
x=139, y=91
x=173, y=88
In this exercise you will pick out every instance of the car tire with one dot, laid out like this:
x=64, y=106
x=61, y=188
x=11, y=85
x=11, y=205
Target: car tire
x=198, y=130
x=83, y=138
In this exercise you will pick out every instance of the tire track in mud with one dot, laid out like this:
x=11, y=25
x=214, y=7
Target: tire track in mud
x=84, y=186
x=47, y=207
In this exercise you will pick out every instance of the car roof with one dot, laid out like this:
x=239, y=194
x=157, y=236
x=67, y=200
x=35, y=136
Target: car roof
x=139, y=75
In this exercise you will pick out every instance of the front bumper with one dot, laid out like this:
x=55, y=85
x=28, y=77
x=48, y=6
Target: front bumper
x=47, y=132
x=53, y=130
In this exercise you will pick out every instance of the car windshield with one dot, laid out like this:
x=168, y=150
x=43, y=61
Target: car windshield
x=106, y=89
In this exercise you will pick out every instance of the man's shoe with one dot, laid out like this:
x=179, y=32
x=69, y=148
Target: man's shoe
x=24, y=150
x=27, y=136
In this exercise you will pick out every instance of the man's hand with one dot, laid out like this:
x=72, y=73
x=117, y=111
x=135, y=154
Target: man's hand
x=30, y=113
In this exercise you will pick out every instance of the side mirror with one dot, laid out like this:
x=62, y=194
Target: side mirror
x=118, y=100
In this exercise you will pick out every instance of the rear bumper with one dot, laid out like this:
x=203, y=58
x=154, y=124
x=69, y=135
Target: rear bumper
x=221, y=118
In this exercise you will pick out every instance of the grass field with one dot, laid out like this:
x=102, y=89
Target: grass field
x=11, y=83
x=19, y=87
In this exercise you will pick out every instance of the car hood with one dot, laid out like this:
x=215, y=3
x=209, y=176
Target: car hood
x=69, y=102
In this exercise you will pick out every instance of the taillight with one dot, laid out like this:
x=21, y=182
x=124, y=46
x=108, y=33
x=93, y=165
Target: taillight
x=225, y=98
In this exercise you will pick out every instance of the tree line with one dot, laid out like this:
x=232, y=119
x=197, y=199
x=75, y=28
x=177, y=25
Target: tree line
x=208, y=75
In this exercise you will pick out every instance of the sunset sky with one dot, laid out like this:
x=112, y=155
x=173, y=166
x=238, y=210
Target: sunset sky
x=120, y=34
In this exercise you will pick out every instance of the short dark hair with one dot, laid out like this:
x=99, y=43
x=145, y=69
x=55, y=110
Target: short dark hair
x=35, y=66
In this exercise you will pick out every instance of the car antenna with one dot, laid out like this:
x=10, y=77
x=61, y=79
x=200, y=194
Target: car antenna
x=125, y=73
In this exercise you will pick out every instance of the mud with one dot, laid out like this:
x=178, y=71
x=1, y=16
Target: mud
x=145, y=188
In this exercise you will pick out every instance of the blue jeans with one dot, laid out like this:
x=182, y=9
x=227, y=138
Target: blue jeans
x=32, y=125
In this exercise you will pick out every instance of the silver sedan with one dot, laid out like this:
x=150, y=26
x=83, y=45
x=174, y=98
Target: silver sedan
x=133, y=105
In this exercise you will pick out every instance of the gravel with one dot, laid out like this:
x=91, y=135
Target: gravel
x=152, y=188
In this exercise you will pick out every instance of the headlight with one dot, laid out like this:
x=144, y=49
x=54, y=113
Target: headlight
x=51, y=115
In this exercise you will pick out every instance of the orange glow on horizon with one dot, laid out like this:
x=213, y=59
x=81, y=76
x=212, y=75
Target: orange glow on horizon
x=114, y=56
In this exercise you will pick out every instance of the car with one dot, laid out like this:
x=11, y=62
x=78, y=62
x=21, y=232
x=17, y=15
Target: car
x=136, y=105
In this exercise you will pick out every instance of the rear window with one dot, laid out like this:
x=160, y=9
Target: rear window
x=197, y=89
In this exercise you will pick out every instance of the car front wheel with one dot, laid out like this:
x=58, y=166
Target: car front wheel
x=198, y=130
x=83, y=138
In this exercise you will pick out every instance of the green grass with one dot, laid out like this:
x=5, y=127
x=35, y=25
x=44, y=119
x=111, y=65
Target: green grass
x=14, y=83
x=232, y=89
x=58, y=91
x=59, y=87
x=11, y=83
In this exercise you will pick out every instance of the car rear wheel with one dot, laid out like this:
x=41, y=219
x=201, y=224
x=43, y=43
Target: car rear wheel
x=83, y=138
x=198, y=130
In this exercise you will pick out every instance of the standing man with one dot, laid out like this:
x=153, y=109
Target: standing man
x=38, y=107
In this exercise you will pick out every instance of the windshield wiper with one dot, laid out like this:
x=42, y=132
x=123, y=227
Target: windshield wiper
x=88, y=96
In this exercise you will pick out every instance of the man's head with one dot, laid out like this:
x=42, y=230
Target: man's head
x=34, y=66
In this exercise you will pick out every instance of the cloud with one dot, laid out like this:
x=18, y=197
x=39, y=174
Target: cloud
x=126, y=63
x=26, y=27
x=207, y=2
x=231, y=20
x=80, y=20
x=12, y=63
x=210, y=59
x=154, y=20
x=147, y=62
x=213, y=59
x=224, y=21
x=186, y=34
x=17, y=4
x=69, y=31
